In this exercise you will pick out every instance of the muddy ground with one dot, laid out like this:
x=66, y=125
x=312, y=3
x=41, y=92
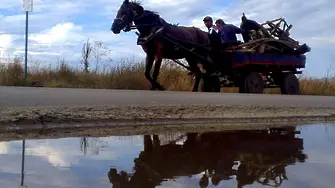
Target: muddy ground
x=54, y=133
x=131, y=120
x=45, y=115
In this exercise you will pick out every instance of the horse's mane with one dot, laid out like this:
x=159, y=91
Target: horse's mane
x=139, y=3
x=136, y=2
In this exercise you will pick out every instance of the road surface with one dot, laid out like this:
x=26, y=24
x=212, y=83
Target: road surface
x=60, y=107
x=32, y=97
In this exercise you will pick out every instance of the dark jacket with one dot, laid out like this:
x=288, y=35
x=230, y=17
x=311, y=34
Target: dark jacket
x=214, y=37
x=228, y=32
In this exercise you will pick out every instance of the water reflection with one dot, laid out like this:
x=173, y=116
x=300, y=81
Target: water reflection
x=273, y=157
x=249, y=156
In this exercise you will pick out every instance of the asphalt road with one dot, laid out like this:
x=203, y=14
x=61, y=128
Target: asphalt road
x=28, y=97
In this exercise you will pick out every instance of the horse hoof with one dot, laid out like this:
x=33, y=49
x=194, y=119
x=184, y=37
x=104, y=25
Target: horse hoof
x=161, y=88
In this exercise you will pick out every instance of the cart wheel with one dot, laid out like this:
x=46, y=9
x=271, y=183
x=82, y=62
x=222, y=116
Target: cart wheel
x=290, y=84
x=253, y=83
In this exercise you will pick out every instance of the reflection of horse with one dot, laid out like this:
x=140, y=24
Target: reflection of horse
x=148, y=23
x=263, y=157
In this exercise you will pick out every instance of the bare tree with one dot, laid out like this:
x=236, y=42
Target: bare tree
x=100, y=50
x=86, y=54
x=84, y=144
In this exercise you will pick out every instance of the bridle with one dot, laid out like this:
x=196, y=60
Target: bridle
x=121, y=19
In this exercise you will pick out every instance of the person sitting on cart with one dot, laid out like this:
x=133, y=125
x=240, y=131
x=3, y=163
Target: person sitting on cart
x=214, y=39
x=212, y=30
x=248, y=25
x=228, y=31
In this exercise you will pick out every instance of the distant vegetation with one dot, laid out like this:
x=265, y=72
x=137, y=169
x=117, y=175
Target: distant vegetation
x=125, y=74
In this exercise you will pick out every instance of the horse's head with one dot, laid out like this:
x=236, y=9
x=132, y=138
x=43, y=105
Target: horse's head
x=126, y=14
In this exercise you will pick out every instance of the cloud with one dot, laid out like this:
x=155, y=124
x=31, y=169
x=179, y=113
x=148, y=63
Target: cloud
x=3, y=148
x=109, y=148
x=64, y=33
x=5, y=43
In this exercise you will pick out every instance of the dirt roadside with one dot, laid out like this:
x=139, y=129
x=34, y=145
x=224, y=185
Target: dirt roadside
x=45, y=115
x=90, y=120
x=66, y=132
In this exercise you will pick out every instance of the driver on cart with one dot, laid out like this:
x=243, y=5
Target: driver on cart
x=214, y=36
x=214, y=39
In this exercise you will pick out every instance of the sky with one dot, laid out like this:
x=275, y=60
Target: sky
x=58, y=29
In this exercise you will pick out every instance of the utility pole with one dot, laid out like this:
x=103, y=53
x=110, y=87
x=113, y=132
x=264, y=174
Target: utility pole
x=27, y=7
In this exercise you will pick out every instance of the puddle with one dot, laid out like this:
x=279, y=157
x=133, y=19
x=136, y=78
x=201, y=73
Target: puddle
x=301, y=156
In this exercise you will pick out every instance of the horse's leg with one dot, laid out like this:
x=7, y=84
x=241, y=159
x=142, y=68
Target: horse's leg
x=197, y=80
x=156, y=142
x=147, y=141
x=158, y=63
x=148, y=66
x=196, y=71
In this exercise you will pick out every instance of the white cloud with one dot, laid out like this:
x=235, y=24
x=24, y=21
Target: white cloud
x=5, y=43
x=60, y=34
x=3, y=148
x=54, y=151
x=54, y=156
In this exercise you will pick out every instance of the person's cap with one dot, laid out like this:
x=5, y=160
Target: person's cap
x=207, y=18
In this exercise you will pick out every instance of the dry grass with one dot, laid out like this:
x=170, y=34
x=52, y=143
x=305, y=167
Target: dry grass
x=124, y=75
x=127, y=75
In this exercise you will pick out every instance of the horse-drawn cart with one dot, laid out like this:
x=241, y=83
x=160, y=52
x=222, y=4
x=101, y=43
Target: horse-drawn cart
x=271, y=59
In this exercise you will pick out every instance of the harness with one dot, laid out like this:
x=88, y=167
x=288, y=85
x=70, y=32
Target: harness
x=158, y=27
x=152, y=19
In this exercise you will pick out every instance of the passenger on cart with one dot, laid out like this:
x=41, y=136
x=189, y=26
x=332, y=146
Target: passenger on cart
x=228, y=38
x=228, y=32
x=247, y=25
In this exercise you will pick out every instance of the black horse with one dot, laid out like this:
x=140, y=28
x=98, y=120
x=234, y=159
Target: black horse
x=156, y=48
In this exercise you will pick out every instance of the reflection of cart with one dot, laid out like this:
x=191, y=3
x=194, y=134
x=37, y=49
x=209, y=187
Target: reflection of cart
x=251, y=156
x=270, y=59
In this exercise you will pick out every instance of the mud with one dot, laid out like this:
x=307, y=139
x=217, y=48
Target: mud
x=64, y=132
x=40, y=115
x=99, y=116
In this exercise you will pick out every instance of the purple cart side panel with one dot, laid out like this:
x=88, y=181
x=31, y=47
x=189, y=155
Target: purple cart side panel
x=239, y=58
